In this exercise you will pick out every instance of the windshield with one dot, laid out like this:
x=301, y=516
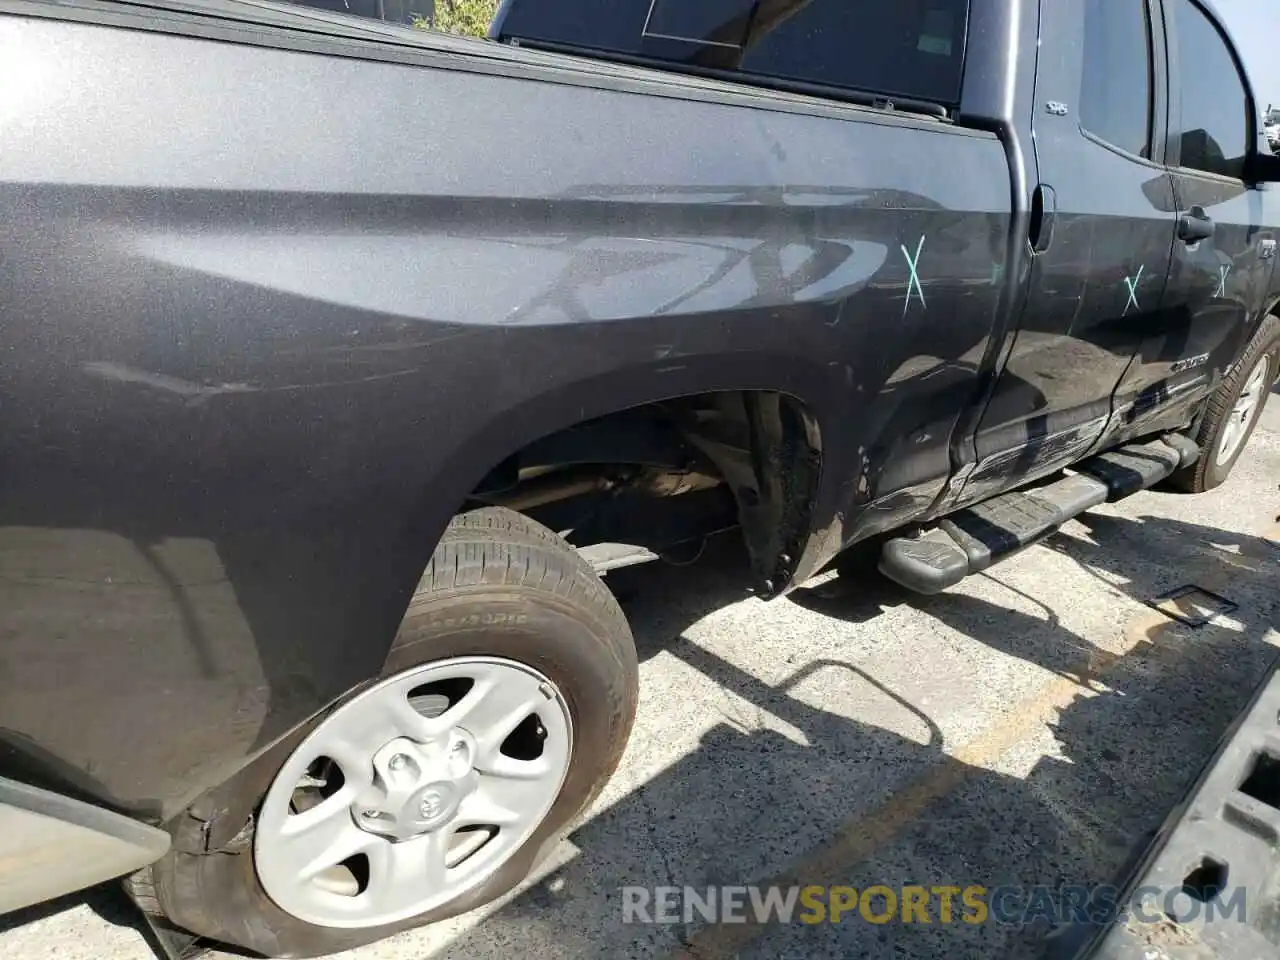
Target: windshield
x=896, y=48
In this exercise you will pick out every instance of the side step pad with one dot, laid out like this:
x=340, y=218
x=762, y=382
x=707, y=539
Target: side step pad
x=971, y=540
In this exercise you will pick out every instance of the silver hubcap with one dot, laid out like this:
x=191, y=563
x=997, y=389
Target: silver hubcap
x=413, y=793
x=1241, y=417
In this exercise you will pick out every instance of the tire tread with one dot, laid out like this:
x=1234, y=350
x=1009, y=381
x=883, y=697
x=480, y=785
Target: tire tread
x=1204, y=475
x=492, y=555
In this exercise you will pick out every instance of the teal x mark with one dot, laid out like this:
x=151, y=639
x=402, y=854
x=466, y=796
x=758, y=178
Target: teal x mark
x=1132, y=284
x=1224, y=271
x=913, y=283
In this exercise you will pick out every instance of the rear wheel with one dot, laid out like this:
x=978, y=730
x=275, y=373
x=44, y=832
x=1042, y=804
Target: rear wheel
x=505, y=704
x=413, y=792
x=1234, y=411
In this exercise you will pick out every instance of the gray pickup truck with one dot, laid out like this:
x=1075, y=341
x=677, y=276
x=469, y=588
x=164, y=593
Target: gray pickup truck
x=339, y=361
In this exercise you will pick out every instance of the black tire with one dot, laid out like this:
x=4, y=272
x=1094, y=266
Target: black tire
x=498, y=584
x=1207, y=472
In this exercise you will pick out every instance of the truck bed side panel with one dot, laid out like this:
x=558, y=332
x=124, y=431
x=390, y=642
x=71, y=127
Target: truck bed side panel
x=270, y=315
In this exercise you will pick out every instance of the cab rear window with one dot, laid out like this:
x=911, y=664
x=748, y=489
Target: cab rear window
x=894, y=48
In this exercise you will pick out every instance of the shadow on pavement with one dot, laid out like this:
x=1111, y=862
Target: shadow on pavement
x=835, y=801
x=108, y=901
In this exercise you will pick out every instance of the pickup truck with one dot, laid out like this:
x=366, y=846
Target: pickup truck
x=340, y=360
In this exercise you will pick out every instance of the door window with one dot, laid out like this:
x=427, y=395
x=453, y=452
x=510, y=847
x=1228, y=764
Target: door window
x=1115, y=102
x=1215, y=105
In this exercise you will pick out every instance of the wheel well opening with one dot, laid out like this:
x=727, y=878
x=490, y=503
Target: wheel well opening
x=658, y=479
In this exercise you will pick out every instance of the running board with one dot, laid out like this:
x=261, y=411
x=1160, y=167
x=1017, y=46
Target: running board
x=972, y=539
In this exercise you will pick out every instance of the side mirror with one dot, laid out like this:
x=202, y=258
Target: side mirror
x=1262, y=167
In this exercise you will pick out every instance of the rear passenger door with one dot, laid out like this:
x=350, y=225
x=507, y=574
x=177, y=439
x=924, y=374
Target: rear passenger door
x=1221, y=266
x=1103, y=234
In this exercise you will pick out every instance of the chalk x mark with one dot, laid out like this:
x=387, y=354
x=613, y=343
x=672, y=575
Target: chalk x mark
x=913, y=282
x=1132, y=284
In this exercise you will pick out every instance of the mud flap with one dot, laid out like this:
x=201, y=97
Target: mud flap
x=1208, y=888
x=51, y=844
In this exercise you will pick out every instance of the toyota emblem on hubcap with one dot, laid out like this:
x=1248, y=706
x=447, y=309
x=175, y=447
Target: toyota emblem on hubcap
x=432, y=805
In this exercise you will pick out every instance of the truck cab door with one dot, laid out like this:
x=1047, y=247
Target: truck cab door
x=1102, y=229
x=1222, y=259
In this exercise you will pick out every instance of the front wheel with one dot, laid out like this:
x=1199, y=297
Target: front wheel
x=504, y=705
x=1234, y=411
